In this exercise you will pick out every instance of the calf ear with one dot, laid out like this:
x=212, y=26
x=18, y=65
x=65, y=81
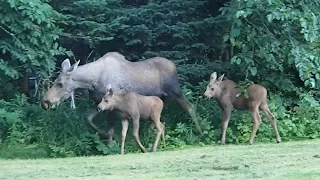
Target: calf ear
x=220, y=78
x=213, y=76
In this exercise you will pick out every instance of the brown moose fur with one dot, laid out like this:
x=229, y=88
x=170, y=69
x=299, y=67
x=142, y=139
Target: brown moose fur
x=135, y=106
x=225, y=92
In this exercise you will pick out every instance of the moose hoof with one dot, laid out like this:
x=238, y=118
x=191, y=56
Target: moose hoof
x=103, y=134
x=143, y=150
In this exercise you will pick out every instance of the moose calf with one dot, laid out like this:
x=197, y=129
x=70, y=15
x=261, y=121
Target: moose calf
x=225, y=92
x=134, y=106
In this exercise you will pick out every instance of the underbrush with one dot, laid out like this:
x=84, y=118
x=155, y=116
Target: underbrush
x=27, y=131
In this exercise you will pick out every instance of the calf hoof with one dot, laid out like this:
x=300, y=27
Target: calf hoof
x=250, y=143
x=222, y=143
x=278, y=141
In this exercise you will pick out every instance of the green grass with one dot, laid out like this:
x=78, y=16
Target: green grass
x=290, y=160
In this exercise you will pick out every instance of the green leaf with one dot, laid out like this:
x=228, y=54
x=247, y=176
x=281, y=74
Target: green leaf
x=253, y=71
x=226, y=38
x=238, y=61
x=235, y=32
x=247, y=60
x=312, y=82
x=239, y=13
x=234, y=59
x=109, y=38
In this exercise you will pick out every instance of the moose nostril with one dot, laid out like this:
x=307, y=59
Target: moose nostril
x=99, y=110
x=45, y=104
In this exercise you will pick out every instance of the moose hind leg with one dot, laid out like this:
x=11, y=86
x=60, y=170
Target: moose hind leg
x=178, y=96
x=256, y=123
x=270, y=116
x=156, y=115
x=172, y=88
x=185, y=104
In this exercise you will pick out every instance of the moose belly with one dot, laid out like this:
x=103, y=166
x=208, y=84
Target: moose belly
x=240, y=103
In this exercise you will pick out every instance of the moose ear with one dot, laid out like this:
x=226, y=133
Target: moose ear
x=73, y=67
x=65, y=65
x=220, y=78
x=213, y=76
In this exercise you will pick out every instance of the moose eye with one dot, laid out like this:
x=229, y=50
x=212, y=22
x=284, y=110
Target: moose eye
x=212, y=89
x=60, y=85
x=106, y=100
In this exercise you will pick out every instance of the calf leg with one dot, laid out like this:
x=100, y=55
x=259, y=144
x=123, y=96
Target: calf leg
x=159, y=132
x=266, y=111
x=152, y=125
x=125, y=124
x=163, y=131
x=256, y=123
x=224, y=124
x=136, y=132
x=156, y=115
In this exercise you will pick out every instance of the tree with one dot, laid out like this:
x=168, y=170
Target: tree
x=275, y=38
x=28, y=41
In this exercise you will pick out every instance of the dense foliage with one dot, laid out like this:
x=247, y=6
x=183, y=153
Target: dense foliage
x=274, y=43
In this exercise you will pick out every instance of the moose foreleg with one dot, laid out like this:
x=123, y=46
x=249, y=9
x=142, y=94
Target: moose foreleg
x=136, y=126
x=111, y=122
x=90, y=118
x=224, y=124
x=125, y=124
x=72, y=103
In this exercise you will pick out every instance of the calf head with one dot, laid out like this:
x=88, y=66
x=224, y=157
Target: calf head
x=109, y=101
x=62, y=87
x=214, y=88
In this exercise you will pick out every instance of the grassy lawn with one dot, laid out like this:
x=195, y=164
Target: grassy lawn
x=292, y=160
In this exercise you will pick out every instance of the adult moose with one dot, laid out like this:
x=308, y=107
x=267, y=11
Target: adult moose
x=155, y=76
x=225, y=92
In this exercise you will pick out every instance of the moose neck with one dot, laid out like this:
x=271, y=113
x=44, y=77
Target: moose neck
x=86, y=76
x=122, y=103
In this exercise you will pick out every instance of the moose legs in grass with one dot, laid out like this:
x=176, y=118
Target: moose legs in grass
x=225, y=92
